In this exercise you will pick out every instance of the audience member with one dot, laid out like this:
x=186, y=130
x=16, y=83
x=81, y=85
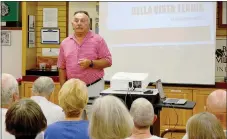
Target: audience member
x=25, y=119
x=216, y=104
x=143, y=115
x=73, y=98
x=42, y=89
x=204, y=126
x=110, y=119
x=9, y=94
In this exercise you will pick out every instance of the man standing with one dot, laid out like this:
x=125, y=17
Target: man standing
x=84, y=55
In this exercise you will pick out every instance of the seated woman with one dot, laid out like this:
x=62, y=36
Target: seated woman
x=25, y=119
x=110, y=119
x=143, y=115
x=73, y=98
x=204, y=126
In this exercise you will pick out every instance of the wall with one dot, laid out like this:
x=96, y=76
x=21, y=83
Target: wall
x=62, y=23
x=90, y=7
x=28, y=54
x=11, y=55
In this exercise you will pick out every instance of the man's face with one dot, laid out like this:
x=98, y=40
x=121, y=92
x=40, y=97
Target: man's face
x=80, y=23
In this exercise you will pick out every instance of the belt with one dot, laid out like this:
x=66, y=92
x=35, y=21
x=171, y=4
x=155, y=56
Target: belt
x=94, y=82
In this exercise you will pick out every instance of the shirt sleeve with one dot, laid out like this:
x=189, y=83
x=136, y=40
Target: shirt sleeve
x=103, y=52
x=61, y=58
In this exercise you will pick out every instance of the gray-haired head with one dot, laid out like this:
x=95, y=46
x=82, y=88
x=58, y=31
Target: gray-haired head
x=9, y=89
x=43, y=86
x=142, y=112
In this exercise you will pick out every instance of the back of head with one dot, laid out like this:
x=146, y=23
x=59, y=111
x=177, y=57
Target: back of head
x=216, y=104
x=110, y=119
x=216, y=101
x=9, y=87
x=43, y=86
x=25, y=119
x=73, y=97
x=142, y=112
x=204, y=126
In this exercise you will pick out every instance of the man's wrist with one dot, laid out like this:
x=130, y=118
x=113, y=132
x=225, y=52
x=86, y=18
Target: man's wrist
x=91, y=64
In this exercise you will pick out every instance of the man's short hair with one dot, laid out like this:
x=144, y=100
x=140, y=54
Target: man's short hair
x=9, y=86
x=84, y=12
x=43, y=86
x=142, y=112
x=25, y=119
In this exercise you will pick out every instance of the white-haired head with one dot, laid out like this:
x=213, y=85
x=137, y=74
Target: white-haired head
x=9, y=89
x=110, y=119
x=43, y=86
x=142, y=112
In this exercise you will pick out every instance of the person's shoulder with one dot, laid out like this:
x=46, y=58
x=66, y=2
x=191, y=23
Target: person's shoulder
x=84, y=122
x=56, y=109
x=54, y=130
x=66, y=40
x=96, y=36
x=54, y=106
x=55, y=127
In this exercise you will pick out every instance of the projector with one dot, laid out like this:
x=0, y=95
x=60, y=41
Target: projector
x=125, y=81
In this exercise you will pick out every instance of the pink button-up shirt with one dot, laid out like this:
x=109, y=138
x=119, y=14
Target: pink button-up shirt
x=93, y=47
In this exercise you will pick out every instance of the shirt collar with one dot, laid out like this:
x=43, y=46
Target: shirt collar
x=38, y=98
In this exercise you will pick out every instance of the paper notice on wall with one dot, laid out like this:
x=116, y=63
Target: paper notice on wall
x=220, y=59
x=50, y=17
x=31, y=38
x=50, y=51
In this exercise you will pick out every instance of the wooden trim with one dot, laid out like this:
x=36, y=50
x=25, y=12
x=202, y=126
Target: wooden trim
x=11, y=28
x=220, y=6
x=67, y=17
x=24, y=36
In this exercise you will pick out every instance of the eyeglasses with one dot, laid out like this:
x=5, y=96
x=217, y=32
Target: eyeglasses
x=80, y=20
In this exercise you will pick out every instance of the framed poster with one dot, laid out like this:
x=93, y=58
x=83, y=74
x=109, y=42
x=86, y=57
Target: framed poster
x=50, y=36
x=222, y=14
x=5, y=38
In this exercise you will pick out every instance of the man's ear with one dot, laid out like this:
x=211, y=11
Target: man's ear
x=155, y=118
x=15, y=97
x=72, y=24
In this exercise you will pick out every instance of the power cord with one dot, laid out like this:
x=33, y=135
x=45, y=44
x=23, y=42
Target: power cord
x=129, y=92
x=176, y=122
